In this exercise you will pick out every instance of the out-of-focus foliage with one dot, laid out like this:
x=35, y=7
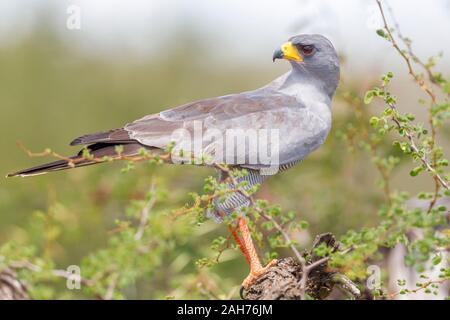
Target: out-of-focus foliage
x=92, y=217
x=47, y=88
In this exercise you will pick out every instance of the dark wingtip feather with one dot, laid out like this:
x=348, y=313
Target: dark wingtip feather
x=98, y=150
x=41, y=169
x=111, y=136
x=13, y=174
x=76, y=141
x=23, y=175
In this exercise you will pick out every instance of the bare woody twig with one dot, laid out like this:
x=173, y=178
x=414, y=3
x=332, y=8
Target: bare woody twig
x=111, y=287
x=86, y=156
x=420, y=81
x=432, y=79
x=12, y=288
x=306, y=269
x=412, y=56
x=429, y=165
x=422, y=286
x=287, y=238
x=56, y=272
x=408, y=44
x=282, y=280
x=423, y=159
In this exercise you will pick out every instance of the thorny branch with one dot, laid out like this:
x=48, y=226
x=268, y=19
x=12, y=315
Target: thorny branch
x=431, y=77
x=421, y=287
x=111, y=287
x=420, y=81
x=305, y=268
x=416, y=150
x=408, y=44
x=56, y=272
x=16, y=265
x=86, y=156
x=112, y=274
x=408, y=56
x=412, y=56
x=253, y=204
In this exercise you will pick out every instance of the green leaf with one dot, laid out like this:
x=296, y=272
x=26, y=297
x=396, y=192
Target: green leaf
x=304, y=224
x=374, y=121
x=118, y=149
x=415, y=172
x=382, y=33
x=436, y=260
x=443, y=163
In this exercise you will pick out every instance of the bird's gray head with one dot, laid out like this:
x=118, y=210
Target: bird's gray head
x=312, y=56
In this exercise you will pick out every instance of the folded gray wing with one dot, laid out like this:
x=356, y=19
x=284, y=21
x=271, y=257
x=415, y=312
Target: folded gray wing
x=298, y=129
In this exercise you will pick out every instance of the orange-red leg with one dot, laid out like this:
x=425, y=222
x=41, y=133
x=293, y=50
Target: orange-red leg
x=248, y=249
x=239, y=242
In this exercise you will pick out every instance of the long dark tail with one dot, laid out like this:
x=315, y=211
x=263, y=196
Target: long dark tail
x=97, y=150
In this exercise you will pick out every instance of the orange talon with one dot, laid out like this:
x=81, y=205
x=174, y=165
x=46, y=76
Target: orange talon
x=255, y=274
x=249, y=251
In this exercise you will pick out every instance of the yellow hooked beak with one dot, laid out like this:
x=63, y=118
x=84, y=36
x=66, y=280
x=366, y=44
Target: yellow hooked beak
x=288, y=52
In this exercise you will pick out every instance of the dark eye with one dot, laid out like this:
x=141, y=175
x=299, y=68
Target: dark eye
x=307, y=50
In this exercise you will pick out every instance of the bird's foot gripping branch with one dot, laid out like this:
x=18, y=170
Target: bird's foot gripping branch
x=312, y=274
x=309, y=274
x=282, y=281
x=411, y=230
x=306, y=274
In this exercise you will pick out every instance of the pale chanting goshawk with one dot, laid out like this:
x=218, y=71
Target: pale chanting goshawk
x=297, y=105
